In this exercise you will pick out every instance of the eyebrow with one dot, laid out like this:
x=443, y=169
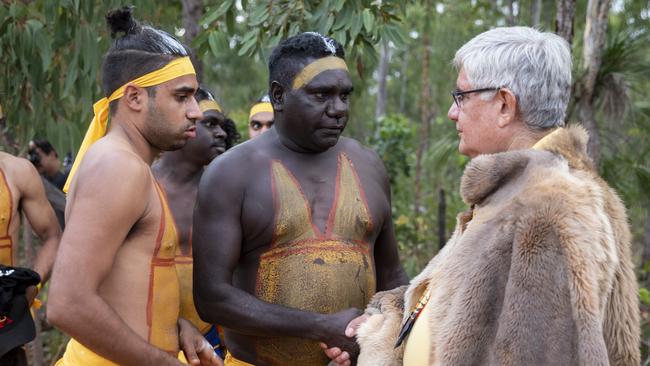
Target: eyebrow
x=185, y=89
x=260, y=122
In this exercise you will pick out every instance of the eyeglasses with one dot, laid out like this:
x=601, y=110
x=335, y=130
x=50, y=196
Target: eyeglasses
x=459, y=95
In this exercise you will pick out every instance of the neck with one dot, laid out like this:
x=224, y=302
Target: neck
x=526, y=139
x=125, y=129
x=175, y=167
x=287, y=144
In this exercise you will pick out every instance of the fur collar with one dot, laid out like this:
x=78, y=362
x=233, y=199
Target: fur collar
x=487, y=173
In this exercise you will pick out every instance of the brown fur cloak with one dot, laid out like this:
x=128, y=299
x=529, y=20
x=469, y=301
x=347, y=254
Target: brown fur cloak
x=537, y=273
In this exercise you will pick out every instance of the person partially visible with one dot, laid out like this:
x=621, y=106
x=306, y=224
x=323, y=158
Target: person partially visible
x=179, y=173
x=115, y=289
x=539, y=270
x=260, y=118
x=22, y=192
x=46, y=160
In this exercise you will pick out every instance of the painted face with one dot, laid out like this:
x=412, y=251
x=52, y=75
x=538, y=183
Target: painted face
x=172, y=113
x=210, y=140
x=260, y=123
x=315, y=115
x=476, y=121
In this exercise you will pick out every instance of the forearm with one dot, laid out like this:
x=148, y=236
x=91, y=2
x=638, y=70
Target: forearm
x=97, y=326
x=45, y=257
x=389, y=280
x=242, y=312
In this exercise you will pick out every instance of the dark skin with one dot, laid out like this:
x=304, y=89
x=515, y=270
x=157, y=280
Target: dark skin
x=233, y=226
x=180, y=171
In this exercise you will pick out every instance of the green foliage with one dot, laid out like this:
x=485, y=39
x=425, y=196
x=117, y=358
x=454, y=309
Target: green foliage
x=394, y=144
x=358, y=25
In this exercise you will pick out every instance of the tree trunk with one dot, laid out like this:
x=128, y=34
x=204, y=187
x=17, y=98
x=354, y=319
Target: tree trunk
x=442, y=219
x=404, y=87
x=425, y=112
x=566, y=12
x=645, y=257
x=535, y=12
x=511, y=13
x=594, y=42
x=192, y=12
x=384, y=60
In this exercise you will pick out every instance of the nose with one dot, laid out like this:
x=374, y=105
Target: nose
x=265, y=127
x=193, y=113
x=453, y=112
x=220, y=133
x=337, y=108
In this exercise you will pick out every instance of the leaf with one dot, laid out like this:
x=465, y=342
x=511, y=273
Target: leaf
x=355, y=28
x=213, y=41
x=368, y=20
x=644, y=295
x=259, y=15
x=210, y=17
x=247, y=47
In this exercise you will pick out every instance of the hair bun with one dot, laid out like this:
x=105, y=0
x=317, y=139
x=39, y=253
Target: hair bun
x=121, y=20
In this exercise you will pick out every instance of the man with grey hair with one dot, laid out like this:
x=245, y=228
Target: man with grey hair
x=538, y=270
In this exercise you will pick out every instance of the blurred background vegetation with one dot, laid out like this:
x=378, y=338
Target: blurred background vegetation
x=399, y=54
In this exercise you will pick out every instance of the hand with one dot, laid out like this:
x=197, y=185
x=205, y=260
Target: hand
x=197, y=349
x=342, y=358
x=335, y=336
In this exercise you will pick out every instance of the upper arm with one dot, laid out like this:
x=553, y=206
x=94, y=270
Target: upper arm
x=390, y=273
x=35, y=205
x=216, y=232
x=108, y=199
x=550, y=299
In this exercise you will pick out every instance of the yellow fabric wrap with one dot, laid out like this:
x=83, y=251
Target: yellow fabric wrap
x=97, y=129
x=322, y=64
x=260, y=107
x=207, y=104
x=232, y=361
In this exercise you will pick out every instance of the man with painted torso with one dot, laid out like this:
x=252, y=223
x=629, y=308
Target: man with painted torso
x=22, y=192
x=179, y=173
x=115, y=289
x=298, y=236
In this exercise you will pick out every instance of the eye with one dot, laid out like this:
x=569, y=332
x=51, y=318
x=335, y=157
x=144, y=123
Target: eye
x=320, y=96
x=345, y=97
x=182, y=98
x=256, y=125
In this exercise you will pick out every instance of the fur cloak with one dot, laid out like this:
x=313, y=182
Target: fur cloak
x=538, y=272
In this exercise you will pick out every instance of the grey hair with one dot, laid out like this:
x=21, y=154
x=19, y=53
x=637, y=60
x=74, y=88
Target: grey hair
x=535, y=66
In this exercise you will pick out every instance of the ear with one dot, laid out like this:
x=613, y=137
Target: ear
x=508, y=112
x=277, y=95
x=135, y=97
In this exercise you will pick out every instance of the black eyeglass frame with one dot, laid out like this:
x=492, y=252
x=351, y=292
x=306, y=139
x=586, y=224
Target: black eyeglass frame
x=459, y=93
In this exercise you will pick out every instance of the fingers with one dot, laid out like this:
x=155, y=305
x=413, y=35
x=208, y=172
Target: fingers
x=190, y=350
x=343, y=359
x=207, y=355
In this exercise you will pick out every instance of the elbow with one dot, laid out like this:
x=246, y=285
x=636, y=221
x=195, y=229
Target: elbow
x=209, y=307
x=58, y=307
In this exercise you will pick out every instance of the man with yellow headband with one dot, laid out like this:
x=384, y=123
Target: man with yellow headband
x=115, y=289
x=260, y=118
x=179, y=173
x=298, y=236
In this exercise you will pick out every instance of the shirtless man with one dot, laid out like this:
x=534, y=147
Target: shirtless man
x=21, y=191
x=298, y=236
x=179, y=173
x=115, y=289
x=260, y=118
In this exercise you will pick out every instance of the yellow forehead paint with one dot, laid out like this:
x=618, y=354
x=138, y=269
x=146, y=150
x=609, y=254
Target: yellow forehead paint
x=260, y=107
x=97, y=129
x=322, y=64
x=207, y=104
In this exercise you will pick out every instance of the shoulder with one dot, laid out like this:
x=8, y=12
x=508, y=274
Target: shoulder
x=21, y=172
x=111, y=167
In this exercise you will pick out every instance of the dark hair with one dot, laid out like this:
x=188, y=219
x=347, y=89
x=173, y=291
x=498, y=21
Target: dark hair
x=230, y=128
x=203, y=94
x=140, y=50
x=288, y=57
x=44, y=145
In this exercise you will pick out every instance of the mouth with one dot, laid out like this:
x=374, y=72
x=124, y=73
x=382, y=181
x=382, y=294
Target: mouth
x=219, y=146
x=190, y=132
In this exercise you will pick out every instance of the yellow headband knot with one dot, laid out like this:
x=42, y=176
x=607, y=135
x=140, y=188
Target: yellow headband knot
x=260, y=107
x=322, y=64
x=207, y=105
x=97, y=129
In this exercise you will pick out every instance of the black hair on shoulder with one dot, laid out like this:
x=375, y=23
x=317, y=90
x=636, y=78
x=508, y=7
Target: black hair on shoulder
x=136, y=51
x=230, y=128
x=290, y=56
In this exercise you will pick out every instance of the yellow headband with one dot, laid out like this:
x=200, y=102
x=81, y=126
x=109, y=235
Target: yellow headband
x=260, y=107
x=97, y=129
x=207, y=104
x=322, y=64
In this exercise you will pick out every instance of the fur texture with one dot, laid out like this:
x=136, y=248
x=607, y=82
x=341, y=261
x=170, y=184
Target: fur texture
x=540, y=275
